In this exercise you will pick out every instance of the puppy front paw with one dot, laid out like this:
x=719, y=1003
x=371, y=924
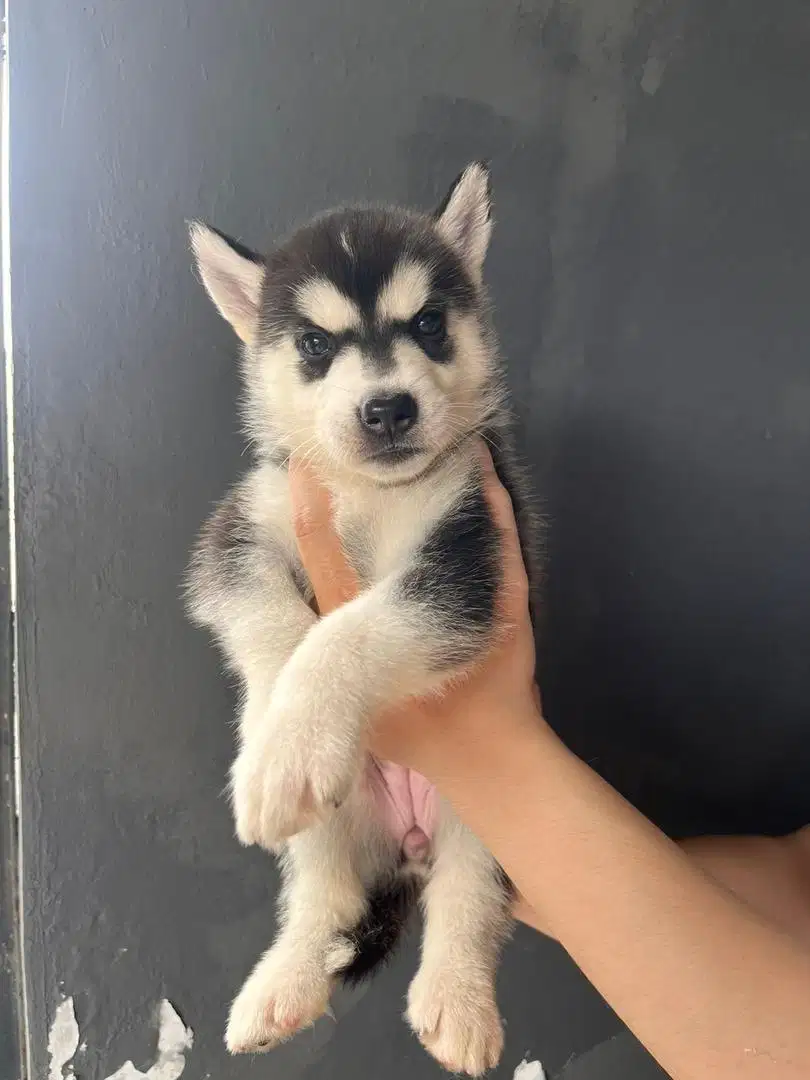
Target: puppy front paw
x=313, y=767
x=246, y=788
x=302, y=768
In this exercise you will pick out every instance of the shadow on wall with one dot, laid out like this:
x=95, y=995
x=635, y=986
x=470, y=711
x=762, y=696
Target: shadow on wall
x=525, y=165
x=671, y=639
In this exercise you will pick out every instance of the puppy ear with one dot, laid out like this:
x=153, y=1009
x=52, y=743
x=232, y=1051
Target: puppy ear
x=232, y=276
x=465, y=217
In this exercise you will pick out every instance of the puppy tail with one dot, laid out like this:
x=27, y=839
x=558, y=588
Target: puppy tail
x=375, y=937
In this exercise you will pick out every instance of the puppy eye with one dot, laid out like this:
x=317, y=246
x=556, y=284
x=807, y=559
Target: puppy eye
x=315, y=345
x=429, y=323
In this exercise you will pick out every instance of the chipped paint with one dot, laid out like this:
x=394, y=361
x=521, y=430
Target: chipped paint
x=530, y=1070
x=63, y=1041
x=174, y=1039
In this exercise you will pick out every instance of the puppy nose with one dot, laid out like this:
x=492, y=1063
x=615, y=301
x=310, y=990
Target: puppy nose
x=389, y=416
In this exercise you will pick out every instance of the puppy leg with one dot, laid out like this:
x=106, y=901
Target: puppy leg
x=451, y=1001
x=264, y=639
x=308, y=756
x=328, y=872
x=404, y=636
x=244, y=585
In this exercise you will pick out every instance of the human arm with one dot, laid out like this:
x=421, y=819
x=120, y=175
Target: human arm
x=712, y=986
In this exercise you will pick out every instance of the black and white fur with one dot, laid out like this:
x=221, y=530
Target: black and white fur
x=361, y=306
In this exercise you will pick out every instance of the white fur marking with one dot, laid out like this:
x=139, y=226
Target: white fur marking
x=405, y=293
x=327, y=307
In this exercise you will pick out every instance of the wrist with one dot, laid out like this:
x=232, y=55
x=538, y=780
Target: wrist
x=497, y=744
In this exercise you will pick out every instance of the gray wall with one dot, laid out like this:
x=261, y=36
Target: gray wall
x=650, y=269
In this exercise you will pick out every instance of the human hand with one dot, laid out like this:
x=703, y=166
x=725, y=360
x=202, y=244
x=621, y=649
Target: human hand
x=442, y=732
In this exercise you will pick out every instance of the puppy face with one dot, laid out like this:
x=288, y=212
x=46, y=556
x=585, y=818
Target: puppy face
x=367, y=347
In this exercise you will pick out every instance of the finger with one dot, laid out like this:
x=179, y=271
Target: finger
x=496, y=494
x=515, y=582
x=332, y=578
x=485, y=457
x=311, y=503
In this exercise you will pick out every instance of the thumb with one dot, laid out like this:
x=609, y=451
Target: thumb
x=332, y=579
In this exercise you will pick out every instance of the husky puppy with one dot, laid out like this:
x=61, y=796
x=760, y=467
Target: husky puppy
x=369, y=352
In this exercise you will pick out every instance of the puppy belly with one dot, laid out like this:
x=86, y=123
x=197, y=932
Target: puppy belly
x=405, y=803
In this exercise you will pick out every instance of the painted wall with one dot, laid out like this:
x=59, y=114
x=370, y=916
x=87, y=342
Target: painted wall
x=10, y=959
x=650, y=268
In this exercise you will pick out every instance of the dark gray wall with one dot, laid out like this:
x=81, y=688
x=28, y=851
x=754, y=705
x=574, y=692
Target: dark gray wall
x=650, y=269
x=9, y=876
x=10, y=965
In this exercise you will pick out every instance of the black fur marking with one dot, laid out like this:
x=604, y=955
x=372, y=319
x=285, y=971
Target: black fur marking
x=376, y=344
x=226, y=554
x=312, y=372
x=456, y=575
x=376, y=935
x=227, y=536
x=526, y=526
x=439, y=349
x=238, y=246
x=224, y=548
x=506, y=884
x=380, y=361
x=377, y=240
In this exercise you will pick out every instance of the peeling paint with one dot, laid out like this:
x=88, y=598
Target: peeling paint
x=63, y=1041
x=530, y=1070
x=174, y=1038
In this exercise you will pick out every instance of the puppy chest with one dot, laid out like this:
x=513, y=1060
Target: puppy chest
x=380, y=538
